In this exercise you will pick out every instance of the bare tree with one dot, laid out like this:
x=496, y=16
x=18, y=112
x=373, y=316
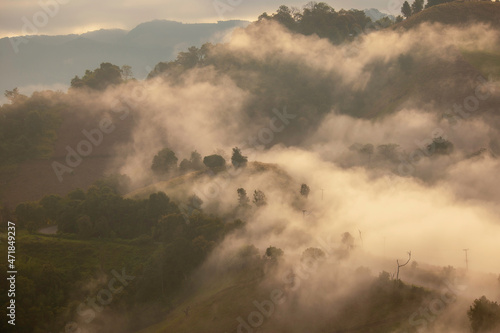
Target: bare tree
x=399, y=265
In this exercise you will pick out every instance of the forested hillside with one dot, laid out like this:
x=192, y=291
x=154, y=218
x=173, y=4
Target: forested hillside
x=316, y=172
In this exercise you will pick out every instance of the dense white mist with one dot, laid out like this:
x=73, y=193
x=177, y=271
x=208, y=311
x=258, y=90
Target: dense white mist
x=434, y=206
x=446, y=203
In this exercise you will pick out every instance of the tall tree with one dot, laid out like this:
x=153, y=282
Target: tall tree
x=242, y=197
x=259, y=198
x=304, y=190
x=196, y=161
x=126, y=72
x=238, y=160
x=406, y=9
x=484, y=315
x=164, y=161
x=417, y=6
x=214, y=162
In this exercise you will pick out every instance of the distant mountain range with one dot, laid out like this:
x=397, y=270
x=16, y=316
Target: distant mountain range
x=376, y=14
x=48, y=61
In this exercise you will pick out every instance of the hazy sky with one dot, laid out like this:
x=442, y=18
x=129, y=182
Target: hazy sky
x=21, y=17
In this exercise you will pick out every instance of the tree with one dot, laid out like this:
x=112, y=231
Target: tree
x=259, y=198
x=440, y=146
x=126, y=72
x=85, y=227
x=304, y=190
x=384, y=22
x=214, y=161
x=196, y=161
x=273, y=253
x=402, y=265
x=399, y=19
x=243, y=199
x=14, y=95
x=163, y=162
x=238, y=160
x=100, y=78
x=388, y=151
x=417, y=6
x=406, y=9
x=313, y=254
x=185, y=165
x=484, y=315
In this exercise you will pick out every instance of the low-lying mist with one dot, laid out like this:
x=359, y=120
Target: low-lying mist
x=420, y=176
x=401, y=194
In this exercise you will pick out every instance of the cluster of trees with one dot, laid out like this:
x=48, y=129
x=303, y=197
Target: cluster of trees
x=259, y=198
x=391, y=152
x=98, y=212
x=100, y=78
x=28, y=125
x=418, y=5
x=165, y=162
x=321, y=19
x=484, y=315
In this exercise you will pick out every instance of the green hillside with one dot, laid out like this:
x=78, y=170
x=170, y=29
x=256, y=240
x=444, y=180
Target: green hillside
x=458, y=13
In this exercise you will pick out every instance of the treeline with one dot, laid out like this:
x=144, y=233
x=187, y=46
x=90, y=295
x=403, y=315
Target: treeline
x=100, y=78
x=101, y=212
x=322, y=20
x=28, y=126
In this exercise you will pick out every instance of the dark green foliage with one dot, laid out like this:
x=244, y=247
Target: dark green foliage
x=273, y=253
x=164, y=162
x=28, y=126
x=100, y=78
x=388, y=151
x=194, y=163
x=214, y=161
x=440, y=146
x=185, y=60
x=313, y=254
x=30, y=212
x=417, y=6
x=238, y=160
x=304, y=190
x=116, y=182
x=484, y=315
x=406, y=9
x=185, y=165
x=380, y=306
x=185, y=247
x=259, y=198
x=100, y=212
x=322, y=20
x=384, y=22
x=243, y=199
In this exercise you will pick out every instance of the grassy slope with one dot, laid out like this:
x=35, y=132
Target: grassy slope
x=213, y=307
x=83, y=257
x=183, y=185
x=487, y=63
